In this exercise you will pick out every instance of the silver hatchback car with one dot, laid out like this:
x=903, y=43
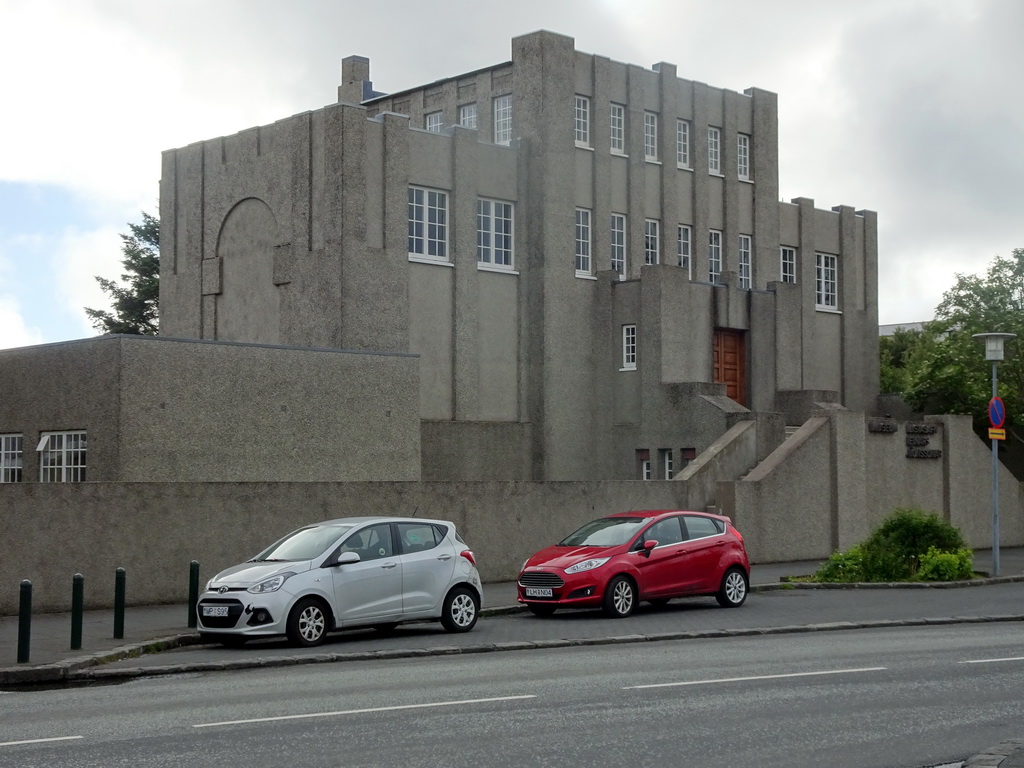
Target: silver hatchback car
x=351, y=572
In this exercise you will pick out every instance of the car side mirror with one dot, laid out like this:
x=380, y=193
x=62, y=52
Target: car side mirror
x=648, y=546
x=346, y=558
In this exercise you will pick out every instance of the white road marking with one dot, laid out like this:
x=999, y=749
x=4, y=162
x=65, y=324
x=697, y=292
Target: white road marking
x=760, y=677
x=990, y=661
x=363, y=711
x=38, y=741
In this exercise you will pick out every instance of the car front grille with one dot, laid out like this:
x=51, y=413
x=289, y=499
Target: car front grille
x=541, y=579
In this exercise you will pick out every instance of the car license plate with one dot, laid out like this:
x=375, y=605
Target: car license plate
x=537, y=592
x=215, y=610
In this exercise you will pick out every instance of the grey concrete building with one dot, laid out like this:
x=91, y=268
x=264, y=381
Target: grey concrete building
x=589, y=257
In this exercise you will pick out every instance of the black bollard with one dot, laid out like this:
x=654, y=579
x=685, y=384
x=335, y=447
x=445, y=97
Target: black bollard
x=193, y=592
x=119, y=577
x=24, y=621
x=77, y=604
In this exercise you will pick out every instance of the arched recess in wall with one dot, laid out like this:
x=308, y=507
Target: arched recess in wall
x=248, y=305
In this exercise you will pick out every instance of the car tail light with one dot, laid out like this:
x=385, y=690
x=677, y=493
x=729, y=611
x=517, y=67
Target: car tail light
x=468, y=555
x=736, y=532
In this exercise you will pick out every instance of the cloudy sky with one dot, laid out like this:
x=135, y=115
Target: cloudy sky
x=911, y=108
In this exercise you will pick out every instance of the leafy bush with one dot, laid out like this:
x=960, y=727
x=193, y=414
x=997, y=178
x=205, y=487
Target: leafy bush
x=898, y=549
x=946, y=566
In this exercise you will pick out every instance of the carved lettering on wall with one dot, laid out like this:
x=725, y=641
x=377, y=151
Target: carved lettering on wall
x=917, y=437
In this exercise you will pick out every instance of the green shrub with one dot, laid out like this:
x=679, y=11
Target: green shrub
x=844, y=567
x=937, y=565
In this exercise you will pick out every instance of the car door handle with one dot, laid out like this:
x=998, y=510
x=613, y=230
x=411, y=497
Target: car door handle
x=444, y=557
x=720, y=544
x=389, y=565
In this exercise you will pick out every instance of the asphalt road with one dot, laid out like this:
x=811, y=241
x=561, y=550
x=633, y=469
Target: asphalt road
x=900, y=697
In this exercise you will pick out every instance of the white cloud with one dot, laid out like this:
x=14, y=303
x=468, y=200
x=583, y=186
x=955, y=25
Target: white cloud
x=14, y=332
x=77, y=260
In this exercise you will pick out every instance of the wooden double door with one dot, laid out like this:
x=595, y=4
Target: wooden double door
x=729, y=355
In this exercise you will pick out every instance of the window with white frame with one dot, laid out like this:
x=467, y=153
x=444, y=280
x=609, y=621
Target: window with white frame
x=494, y=232
x=62, y=457
x=714, y=255
x=467, y=116
x=582, y=121
x=683, y=143
x=652, y=240
x=787, y=264
x=629, y=347
x=683, y=248
x=619, y=244
x=743, y=156
x=645, y=469
x=666, y=463
x=583, y=263
x=428, y=223
x=650, y=136
x=826, y=294
x=503, y=120
x=744, y=260
x=714, y=150
x=434, y=122
x=11, y=458
x=617, y=126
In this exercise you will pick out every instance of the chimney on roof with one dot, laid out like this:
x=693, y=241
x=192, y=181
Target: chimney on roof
x=355, y=80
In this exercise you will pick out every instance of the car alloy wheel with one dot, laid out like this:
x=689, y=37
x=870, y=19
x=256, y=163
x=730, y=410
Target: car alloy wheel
x=307, y=623
x=460, y=610
x=733, y=592
x=619, y=598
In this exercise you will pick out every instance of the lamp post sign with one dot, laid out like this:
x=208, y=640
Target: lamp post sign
x=996, y=419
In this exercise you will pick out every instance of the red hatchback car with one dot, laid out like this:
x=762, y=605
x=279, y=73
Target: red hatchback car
x=615, y=562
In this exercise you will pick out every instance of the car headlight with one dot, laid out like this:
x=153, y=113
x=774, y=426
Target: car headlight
x=587, y=565
x=523, y=566
x=208, y=585
x=272, y=584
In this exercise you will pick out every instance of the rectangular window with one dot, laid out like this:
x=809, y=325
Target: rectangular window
x=714, y=255
x=652, y=241
x=826, y=295
x=467, y=116
x=714, y=150
x=503, y=120
x=629, y=347
x=650, y=136
x=787, y=259
x=683, y=248
x=582, y=120
x=744, y=251
x=619, y=244
x=62, y=457
x=10, y=458
x=428, y=223
x=582, y=241
x=683, y=143
x=494, y=232
x=618, y=129
x=434, y=122
x=743, y=156
x=666, y=463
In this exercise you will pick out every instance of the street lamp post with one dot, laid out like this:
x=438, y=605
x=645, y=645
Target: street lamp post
x=994, y=352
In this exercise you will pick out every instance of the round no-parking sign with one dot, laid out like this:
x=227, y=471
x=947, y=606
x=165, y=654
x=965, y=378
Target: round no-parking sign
x=996, y=412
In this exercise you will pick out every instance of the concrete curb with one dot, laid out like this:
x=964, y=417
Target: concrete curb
x=1008, y=754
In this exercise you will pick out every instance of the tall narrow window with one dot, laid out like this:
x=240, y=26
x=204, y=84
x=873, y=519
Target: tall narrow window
x=650, y=136
x=467, y=116
x=582, y=121
x=619, y=244
x=826, y=295
x=743, y=156
x=618, y=129
x=787, y=267
x=503, y=120
x=714, y=150
x=714, y=255
x=62, y=457
x=683, y=248
x=428, y=223
x=11, y=458
x=652, y=241
x=744, y=254
x=666, y=463
x=683, y=143
x=494, y=232
x=434, y=122
x=583, y=263
x=629, y=347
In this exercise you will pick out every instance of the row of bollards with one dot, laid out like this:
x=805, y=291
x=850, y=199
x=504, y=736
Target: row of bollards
x=78, y=609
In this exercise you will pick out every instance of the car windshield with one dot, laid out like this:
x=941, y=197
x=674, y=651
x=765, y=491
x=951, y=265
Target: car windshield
x=303, y=544
x=606, y=532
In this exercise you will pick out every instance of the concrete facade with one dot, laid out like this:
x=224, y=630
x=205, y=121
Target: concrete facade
x=297, y=233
